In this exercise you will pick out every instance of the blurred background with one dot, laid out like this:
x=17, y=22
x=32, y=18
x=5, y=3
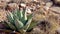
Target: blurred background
x=46, y=15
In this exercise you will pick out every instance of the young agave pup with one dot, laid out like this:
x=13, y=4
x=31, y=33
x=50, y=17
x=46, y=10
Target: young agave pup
x=18, y=20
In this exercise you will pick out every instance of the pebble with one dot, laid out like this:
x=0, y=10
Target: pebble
x=28, y=11
x=23, y=4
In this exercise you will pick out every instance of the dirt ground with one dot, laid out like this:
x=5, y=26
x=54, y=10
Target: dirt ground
x=46, y=13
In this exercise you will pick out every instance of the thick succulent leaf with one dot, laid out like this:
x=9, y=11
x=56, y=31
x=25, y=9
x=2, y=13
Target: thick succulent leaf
x=11, y=25
x=6, y=25
x=24, y=18
x=30, y=16
x=32, y=25
x=15, y=15
x=10, y=17
x=24, y=15
x=27, y=24
x=18, y=24
x=19, y=19
x=20, y=15
x=10, y=14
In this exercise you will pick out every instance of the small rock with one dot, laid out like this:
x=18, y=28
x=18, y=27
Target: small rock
x=55, y=9
x=35, y=0
x=49, y=4
x=28, y=11
x=23, y=5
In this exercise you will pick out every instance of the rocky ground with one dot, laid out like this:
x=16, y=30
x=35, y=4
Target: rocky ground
x=46, y=13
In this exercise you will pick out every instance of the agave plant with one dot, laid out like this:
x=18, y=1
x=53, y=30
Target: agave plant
x=18, y=20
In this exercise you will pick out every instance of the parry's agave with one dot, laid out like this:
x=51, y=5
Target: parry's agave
x=18, y=20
